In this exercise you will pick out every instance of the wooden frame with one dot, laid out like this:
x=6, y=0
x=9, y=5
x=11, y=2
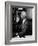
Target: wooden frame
x=8, y=25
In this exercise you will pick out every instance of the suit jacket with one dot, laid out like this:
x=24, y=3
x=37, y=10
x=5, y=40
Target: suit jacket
x=26, y=28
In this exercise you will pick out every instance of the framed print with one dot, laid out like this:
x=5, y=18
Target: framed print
x=20, y=22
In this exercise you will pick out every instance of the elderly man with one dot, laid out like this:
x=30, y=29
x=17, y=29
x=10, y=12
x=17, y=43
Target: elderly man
x=26, y=25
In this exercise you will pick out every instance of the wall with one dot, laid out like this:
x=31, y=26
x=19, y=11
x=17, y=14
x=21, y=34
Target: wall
x=29, y=12
x=2, y=23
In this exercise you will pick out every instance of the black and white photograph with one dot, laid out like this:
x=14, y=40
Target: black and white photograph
x=20, y=22
x=22, y=25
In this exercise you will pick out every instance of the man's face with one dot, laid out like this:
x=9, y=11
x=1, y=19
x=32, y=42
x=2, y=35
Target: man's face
x=23, y=14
